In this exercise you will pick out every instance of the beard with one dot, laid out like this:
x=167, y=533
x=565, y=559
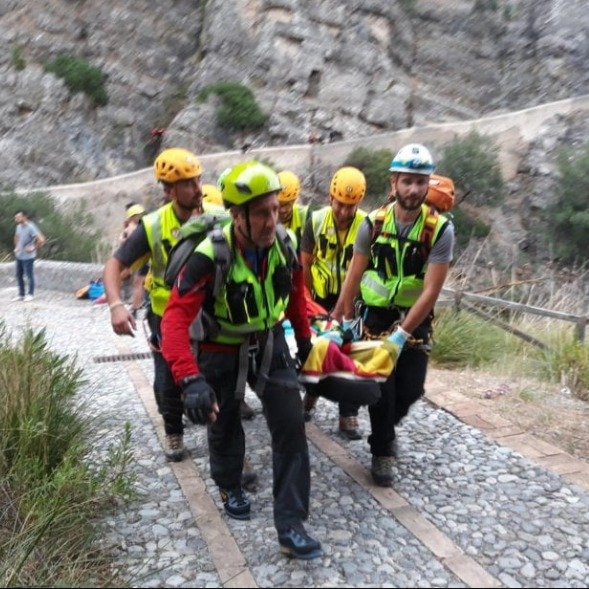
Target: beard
x=410, y=203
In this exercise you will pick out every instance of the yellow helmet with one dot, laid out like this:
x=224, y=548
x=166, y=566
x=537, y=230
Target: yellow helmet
x=246, y=182
x=211, y=194
x=135, y=210
x=291, y=187
x=176, y=164
x=348, y=185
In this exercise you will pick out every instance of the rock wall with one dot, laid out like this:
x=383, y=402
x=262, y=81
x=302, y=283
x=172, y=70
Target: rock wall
x=354, y=67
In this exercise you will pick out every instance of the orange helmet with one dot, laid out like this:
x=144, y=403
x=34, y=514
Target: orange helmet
x=348, y=185
x=440, y=193
x=291, y=187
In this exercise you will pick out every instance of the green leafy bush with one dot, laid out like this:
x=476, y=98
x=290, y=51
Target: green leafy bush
x=80, y=75
x=239, y=108
x=486, y=5
x=571, y=215
x=375, y=166
x=466, y=227
x=71, y=235
x=472, y=162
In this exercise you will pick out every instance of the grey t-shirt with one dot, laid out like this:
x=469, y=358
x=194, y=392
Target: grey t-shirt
x=26, y=236
x=441, y=252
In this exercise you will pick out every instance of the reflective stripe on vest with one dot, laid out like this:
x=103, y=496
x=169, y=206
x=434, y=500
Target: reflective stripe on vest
x=398, y=265
x=331, y=260
x=163, y=231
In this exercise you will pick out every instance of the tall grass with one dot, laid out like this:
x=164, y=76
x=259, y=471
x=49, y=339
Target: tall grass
x=50, y=495
x=462, y=340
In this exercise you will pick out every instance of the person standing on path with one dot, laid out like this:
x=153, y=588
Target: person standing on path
x=243, y=309
x=401, y=258
x=27, y=239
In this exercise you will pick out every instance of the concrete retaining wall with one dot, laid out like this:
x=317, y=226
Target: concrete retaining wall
x=59, y=276
x=511, y=131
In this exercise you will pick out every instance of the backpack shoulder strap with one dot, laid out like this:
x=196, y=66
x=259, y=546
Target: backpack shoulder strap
x=287, y=246
x=428, y=231
x=378, y=222
x=178, y=257
x=222, y=257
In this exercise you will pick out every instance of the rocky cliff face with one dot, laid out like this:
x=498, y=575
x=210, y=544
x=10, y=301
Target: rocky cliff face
x=356, y=67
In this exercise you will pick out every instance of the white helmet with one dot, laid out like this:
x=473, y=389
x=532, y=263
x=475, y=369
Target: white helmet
x=413, y=159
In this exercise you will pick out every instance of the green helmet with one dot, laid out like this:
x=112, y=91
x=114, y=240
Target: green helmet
x=248, y=181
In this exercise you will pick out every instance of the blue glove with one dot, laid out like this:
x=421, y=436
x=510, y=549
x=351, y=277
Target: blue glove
x=399, y=337
x=334, y=336
x=351, y=330
x=199, y=398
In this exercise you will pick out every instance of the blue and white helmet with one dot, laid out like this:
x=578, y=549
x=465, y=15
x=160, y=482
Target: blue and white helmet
x=413, y=159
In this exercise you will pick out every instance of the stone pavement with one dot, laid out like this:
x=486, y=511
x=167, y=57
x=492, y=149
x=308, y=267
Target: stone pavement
x=476, y=502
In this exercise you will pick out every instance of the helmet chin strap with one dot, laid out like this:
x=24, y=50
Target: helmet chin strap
x=247, y=236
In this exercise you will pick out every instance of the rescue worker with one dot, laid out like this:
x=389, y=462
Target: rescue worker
x=212, y=202
x=326, y=252
x=401, y=258
x=180, y=172
x=245, y=341
x=292, y=215
x=211, y=198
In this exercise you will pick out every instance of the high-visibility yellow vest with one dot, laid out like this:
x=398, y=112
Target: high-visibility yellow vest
x=163, y=231
x=331, y=259
x=246, y=304
x=398, y=265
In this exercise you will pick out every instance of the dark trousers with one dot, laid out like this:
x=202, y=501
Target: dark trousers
x=283, y=411
x=168, y=395
x=402, y=388
x=345, y=409
x=25, y=267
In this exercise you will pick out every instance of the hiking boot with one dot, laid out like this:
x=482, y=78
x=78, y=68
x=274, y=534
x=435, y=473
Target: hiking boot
x=382, y=470
x=296, y=543
x=174, y=450
x=246, y=411
x=309, y=403
x=348, y=427
x=235, y=503
x=248, y=475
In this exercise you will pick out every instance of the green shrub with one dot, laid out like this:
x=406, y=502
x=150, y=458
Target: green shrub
x=50, y=492
x=17, y=58
x=467, y=227
x=567, y=362
x=375, y=166
x=463, y=340
x=571, y=215
x=80, y=75
x=239, y=110
x=472, y=162
x=486, y=5
x=71, y=235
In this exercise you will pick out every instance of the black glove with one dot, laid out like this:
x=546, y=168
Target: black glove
x=199, y=399
x=304, y=349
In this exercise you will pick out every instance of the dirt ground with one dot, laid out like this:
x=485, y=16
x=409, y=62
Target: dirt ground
x=547, y=411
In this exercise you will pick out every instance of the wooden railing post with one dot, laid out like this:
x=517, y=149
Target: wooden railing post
x=580, y=329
